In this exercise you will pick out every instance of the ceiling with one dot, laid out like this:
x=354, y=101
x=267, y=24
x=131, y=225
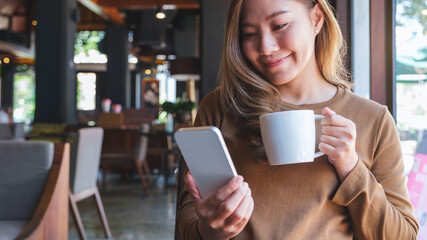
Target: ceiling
x=17, y=16
x=139, y=16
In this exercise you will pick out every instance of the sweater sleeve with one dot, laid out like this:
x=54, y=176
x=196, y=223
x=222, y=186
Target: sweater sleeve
x=186, y=217
x=377, y=198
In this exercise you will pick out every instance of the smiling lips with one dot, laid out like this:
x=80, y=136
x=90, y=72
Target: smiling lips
x=275, y=62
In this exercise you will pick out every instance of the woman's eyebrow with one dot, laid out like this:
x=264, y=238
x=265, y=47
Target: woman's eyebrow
x=243, y=25
x=276, y=14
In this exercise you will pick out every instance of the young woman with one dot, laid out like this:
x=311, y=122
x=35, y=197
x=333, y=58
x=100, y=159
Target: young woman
x=286, y=55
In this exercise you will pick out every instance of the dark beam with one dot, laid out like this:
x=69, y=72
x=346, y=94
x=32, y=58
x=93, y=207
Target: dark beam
x=138, y=4
x=114, y=15
x=16, y=50
x=91, y=27
x=107, y=13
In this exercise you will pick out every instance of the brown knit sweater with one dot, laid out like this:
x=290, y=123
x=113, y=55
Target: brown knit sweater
x=308, y=201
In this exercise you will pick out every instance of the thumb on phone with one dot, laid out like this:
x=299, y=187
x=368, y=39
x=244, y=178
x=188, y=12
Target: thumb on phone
x=192, y=188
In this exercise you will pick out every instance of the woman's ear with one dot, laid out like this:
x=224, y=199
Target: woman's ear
x=317, y=17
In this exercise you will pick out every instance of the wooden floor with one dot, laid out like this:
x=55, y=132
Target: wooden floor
x=130, y=212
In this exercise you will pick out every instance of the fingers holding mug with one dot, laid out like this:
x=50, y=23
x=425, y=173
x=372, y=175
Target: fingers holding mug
x=338, y=141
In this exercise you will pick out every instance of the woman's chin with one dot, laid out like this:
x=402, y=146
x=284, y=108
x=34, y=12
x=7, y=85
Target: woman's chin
x=278, y=80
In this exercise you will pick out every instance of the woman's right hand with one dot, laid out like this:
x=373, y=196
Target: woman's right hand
x=224, y=214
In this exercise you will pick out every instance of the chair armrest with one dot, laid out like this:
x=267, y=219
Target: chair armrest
x=50, y=219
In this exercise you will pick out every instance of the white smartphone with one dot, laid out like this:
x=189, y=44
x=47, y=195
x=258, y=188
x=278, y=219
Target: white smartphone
x=207, y=157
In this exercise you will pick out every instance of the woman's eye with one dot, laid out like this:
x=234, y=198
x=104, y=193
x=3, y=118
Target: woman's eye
x=278, y=27
x=248, y=35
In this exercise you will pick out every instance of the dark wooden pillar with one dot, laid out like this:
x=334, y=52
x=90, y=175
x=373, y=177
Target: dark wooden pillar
x=343, y=14
x=7, y=76
x=117, y=85
x=382, y=52
x=213, y=15
x=100, y=88
x=55, y=70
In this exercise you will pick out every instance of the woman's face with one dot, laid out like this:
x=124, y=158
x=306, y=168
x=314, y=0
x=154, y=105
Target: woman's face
x=278, y=38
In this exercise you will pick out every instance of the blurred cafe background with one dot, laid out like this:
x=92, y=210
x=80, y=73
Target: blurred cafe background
x=108, y=81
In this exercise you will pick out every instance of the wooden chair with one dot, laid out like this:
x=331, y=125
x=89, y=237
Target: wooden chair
x=33, y=190
x=135, y=160
x=84, y=167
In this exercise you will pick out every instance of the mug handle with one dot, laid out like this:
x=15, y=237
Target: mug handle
x=319, y=153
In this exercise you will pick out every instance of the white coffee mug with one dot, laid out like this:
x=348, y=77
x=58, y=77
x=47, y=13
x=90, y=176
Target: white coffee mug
x=289, y=136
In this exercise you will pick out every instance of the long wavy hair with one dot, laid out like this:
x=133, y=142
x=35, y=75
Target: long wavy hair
x=245, y=94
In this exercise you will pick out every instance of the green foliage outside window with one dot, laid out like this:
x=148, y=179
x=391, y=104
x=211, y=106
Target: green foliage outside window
x=412, y=9
x=87, y=40
x=24, y=97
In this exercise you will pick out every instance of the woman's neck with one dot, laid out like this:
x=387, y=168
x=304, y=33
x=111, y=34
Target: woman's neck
x=308, y=88
x=309, y=93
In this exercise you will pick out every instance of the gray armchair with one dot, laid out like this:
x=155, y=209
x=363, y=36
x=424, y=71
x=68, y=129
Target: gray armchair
x=13, y=131
x=33, y=190
x=6, y=131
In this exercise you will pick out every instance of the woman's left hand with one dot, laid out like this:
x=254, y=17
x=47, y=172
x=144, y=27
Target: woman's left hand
x=338, y=142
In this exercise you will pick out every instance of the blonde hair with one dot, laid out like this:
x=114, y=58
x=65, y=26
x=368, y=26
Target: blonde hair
x=244, y=93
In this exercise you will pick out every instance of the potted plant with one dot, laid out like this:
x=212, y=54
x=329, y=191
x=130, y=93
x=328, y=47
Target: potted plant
x=180, y=110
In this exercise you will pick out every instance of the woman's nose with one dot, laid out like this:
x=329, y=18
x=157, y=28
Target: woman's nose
x=268, y=44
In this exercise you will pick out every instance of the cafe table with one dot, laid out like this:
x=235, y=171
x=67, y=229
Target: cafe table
x=161, y=152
